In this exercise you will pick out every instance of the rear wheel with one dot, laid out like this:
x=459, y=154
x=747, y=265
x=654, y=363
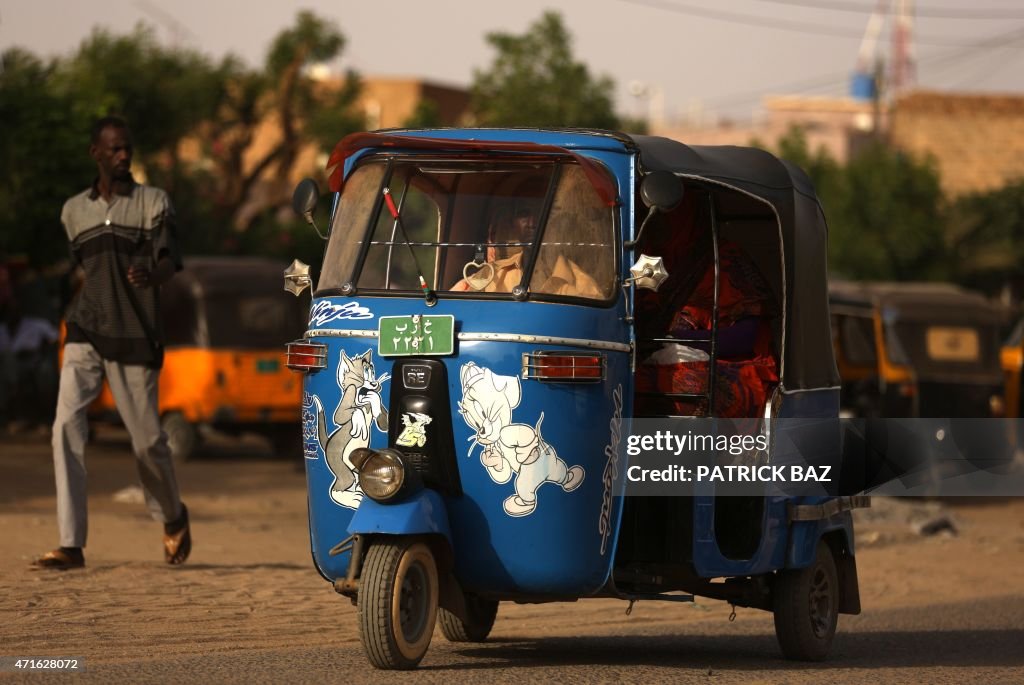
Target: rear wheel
x=285, y=440
x=480, y=614
x=398, y=593
x=182, y=436
x=806, y=603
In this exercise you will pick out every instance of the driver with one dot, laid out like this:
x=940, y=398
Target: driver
x=511, y=233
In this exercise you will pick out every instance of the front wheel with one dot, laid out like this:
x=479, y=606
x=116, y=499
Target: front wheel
x=480, y=614
x=806, y=603
x=398, y=592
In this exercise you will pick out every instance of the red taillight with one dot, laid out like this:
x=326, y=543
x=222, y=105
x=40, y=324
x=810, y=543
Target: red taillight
x=302, y=355
x=563, y=366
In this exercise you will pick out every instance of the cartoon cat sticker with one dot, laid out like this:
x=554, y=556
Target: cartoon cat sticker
x=360, y=407
x=510, y=448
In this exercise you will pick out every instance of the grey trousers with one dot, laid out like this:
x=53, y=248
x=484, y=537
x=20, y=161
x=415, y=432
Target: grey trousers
x=135, y=393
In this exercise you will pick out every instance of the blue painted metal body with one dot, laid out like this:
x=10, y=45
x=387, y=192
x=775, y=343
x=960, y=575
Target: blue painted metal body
x=422, y=513
x=566, y=545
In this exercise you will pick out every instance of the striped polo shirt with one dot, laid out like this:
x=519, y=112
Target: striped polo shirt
x=135, y=228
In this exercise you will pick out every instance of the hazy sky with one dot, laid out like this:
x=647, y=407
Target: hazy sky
x=716, y=56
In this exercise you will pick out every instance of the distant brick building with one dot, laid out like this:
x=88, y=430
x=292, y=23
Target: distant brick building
x=839, y=125
x=977, y=141
x=389, y=102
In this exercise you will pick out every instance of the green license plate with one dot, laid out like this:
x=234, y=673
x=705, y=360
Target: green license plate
x=404, y=336
x=267, y=366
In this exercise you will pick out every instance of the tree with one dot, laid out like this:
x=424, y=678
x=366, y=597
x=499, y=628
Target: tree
x=535, y=81
x=164, y=94
x=302, y=110
x=426, y=115
x=986, y=239
x=43, y=158
x=885, y=210
x=195, y=123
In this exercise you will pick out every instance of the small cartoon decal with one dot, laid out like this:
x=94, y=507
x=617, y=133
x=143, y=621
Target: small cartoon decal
x=510, y=448
x=415, y=432
x=360, y=406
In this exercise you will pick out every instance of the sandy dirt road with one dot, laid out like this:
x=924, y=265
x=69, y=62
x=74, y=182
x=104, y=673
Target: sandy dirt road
x=249, y=607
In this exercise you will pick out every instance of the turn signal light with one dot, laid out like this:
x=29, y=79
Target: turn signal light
x=302, y=355
x=566, y=367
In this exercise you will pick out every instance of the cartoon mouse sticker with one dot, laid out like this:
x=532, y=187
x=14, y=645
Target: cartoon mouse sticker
x=510, y=448
x=360, y=406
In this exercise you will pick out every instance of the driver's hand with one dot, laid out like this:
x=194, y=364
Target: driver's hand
x=139, y=276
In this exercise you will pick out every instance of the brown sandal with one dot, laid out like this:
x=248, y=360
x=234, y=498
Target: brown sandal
x=58, y=560
x=177, y=546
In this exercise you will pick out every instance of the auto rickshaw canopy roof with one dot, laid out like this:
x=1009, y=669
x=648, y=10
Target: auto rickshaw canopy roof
x=781, y=188
x=915, y=300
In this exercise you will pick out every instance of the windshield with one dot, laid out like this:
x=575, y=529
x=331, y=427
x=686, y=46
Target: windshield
x=472, y=228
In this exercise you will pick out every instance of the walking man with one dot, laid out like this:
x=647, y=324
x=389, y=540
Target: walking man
x=122, y=235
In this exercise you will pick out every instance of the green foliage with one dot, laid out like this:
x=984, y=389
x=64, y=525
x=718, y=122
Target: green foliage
x=885, y=211
x=535, y=81
x=309, y=41
x=426, y=115
x=164, y=94
x=985, y=238
x=889, y=220
x=169, y=96
x=43, y=158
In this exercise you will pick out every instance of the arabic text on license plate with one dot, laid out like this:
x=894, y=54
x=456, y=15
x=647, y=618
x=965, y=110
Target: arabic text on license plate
x=402, y=336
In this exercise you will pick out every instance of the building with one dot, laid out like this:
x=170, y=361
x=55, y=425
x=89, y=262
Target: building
x=976, y=140
x=389, y=102
x=838, y=125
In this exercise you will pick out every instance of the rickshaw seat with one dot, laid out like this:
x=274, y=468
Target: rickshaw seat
x=744, y=382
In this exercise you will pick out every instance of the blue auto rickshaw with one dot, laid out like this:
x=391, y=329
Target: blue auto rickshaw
x=470, y=373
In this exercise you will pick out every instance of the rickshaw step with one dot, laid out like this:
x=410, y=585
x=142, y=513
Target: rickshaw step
x=636, y=597
x=826, y=510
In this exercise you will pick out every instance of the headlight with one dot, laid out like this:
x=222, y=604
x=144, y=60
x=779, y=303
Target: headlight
x=381, y=472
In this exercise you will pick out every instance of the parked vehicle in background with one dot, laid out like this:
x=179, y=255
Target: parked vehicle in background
x=1012, y=358
x=225, y=322
x=916, y=350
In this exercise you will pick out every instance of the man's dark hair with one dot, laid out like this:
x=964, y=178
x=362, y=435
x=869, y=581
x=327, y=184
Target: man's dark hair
x=103, y=123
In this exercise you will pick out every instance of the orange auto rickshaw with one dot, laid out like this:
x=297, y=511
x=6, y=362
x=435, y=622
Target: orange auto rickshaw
x=225, y=321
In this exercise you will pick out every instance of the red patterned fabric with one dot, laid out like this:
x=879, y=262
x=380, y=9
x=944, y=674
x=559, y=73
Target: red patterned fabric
x=747, y=372
x=741, y=390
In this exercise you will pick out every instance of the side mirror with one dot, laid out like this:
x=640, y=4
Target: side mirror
x=304, y=201
x=304, y=198
x=662, y=192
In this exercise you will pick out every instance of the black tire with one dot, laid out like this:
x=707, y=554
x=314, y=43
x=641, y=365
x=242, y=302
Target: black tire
x=398, y=592
x=182, y=436
x=286, y=441
x=806, y=603
x=480, y=615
